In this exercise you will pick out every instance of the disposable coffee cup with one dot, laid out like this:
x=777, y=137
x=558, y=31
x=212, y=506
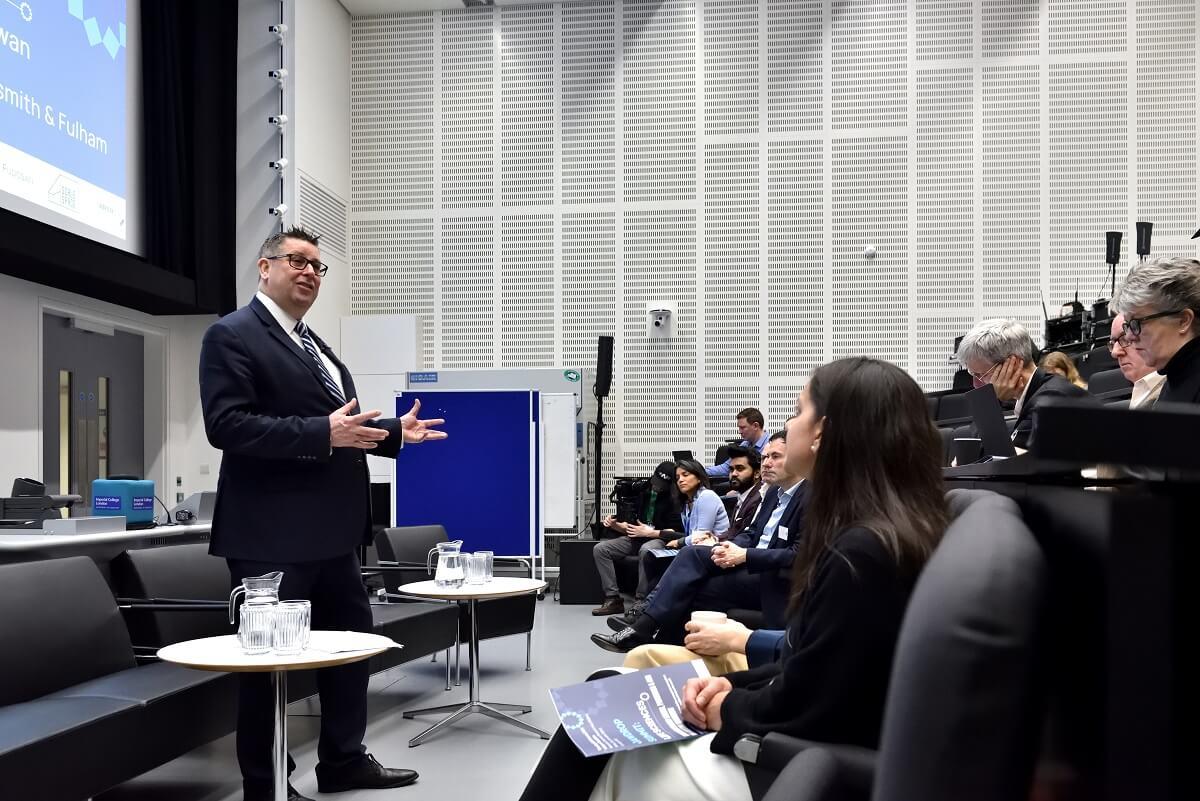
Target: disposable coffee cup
x=709, y=617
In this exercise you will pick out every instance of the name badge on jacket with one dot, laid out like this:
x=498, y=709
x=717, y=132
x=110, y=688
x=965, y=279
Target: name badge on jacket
x=781, y=533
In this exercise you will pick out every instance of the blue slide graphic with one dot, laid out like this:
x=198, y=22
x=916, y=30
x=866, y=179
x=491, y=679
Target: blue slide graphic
x=62, y=85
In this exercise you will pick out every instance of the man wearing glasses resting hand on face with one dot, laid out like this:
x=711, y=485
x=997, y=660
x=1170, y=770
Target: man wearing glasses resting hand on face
x=1000, y=352
x=1159, y=301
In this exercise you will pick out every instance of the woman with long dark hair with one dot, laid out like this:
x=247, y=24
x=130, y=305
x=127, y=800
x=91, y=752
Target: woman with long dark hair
x=704, y=516
x=862, y=434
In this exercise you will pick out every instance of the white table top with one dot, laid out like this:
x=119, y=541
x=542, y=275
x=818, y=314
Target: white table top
x=498, y=587
x=325, y=649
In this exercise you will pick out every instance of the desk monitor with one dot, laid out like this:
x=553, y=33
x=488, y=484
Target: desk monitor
x=683, y=456
x=989, y=422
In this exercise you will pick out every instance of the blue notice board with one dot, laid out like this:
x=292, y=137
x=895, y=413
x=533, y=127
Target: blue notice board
x=481, y=483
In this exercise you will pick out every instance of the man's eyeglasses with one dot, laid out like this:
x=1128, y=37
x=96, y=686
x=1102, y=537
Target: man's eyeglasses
x=1121, y=340
x=1133, y=326
x=299, y=262
x=980, y=377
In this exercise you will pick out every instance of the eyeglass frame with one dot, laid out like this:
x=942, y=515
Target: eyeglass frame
x=984, y=374
x=1120, y=340
x=1133, y=325
x=319, y=267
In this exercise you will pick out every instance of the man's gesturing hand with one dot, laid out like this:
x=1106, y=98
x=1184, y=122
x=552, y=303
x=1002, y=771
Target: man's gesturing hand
x=347, y=430
x=420, y=430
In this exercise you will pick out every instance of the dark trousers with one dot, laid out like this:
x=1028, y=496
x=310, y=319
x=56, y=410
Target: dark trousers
x=339, y=602
x=694, y=582
x=563, y=773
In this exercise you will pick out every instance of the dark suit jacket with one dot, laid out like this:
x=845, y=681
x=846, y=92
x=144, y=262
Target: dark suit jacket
x=1042, y=385
x=283, y=494
x=1183, y=375
x=831, y=682
x=781, y=551
x=744, y=514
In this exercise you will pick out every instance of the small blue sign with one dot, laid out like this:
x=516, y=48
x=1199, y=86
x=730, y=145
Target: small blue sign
x=422, y=378
x=108, y=503
x=142, y=504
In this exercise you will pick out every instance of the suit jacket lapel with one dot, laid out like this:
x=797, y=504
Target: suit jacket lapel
x=276, y=331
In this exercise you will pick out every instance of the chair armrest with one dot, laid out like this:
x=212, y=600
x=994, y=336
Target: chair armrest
x=783, y=768
x=517, y=560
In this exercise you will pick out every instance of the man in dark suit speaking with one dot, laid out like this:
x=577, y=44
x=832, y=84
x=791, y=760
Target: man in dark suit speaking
x=294, y=496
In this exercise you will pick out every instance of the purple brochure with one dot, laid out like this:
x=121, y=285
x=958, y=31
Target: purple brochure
x=627, y=711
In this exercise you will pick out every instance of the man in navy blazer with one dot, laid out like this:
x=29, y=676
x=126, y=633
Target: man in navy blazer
x=294, y=496
x=752, y=571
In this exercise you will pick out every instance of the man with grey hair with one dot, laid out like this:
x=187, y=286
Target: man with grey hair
x=1000, y=352
x=1159, y=301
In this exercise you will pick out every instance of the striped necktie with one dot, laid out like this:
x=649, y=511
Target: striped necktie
x=326, y=379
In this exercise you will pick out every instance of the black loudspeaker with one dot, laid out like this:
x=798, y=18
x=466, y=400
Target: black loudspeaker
x=1112, y=247
x=578, y=581
x=1144, y=229
x=604, y=353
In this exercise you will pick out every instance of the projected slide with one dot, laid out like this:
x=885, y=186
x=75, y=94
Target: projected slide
x=62, y=108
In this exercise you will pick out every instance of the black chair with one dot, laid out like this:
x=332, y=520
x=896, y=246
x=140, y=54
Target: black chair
x=402, y=559
x=1096, y=360
x=1110, y=385
x=966, y=701
x=77, y=714
x=952, y=408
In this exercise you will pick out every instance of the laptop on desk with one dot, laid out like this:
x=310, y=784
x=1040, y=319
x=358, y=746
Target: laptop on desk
x=682, y=456
x=989, y=422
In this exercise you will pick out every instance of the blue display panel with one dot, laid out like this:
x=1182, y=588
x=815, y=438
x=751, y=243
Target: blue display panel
x=480, y=483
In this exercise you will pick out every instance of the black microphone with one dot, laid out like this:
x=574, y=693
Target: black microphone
x=1144, y=229
x=1112, y=241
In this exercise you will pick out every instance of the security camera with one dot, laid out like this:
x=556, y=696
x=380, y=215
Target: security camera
x=278, y=164
x=278, y=74
x=659, y=320
x=278, y=29
x=278, y=211
x=278, y=119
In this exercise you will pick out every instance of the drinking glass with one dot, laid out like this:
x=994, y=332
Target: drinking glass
x=489, y=557
x=476, y=564
x=255, y=624
x=293, y=624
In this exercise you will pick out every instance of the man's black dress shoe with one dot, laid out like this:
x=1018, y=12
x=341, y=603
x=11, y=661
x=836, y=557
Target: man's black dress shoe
x=363, y=774
x=616, y=622
x=622, y=642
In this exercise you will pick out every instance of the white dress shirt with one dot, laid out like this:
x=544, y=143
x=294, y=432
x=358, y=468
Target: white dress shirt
x=288, y=324
x=1146, y=390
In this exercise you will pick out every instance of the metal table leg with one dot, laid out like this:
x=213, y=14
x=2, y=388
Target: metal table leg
x=473, y=705
x=279, y=747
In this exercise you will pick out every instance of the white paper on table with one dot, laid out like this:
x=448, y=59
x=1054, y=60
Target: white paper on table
x=341, y=642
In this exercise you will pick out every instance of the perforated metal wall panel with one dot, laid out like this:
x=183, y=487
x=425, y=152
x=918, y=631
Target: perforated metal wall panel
x=732, y=279
x=659, y=71
x=393, y=62
x=1012, y=178
x=945, y=189
x=870, y=307
x=392, y=272
x=467, y=326
x=659, y=376
x=530, y=177
x=322, y=211
x=731, y=66
x=468, y=107
x=527, y=291
x=1166, y=117
x=527, y=105
x=1089, y=173
x=795, y=84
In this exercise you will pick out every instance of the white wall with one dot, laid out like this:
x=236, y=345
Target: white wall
x=174, y=440
x=320, y=36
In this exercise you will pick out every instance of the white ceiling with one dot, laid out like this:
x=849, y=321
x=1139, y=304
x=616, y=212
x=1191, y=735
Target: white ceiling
x=370, y=8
